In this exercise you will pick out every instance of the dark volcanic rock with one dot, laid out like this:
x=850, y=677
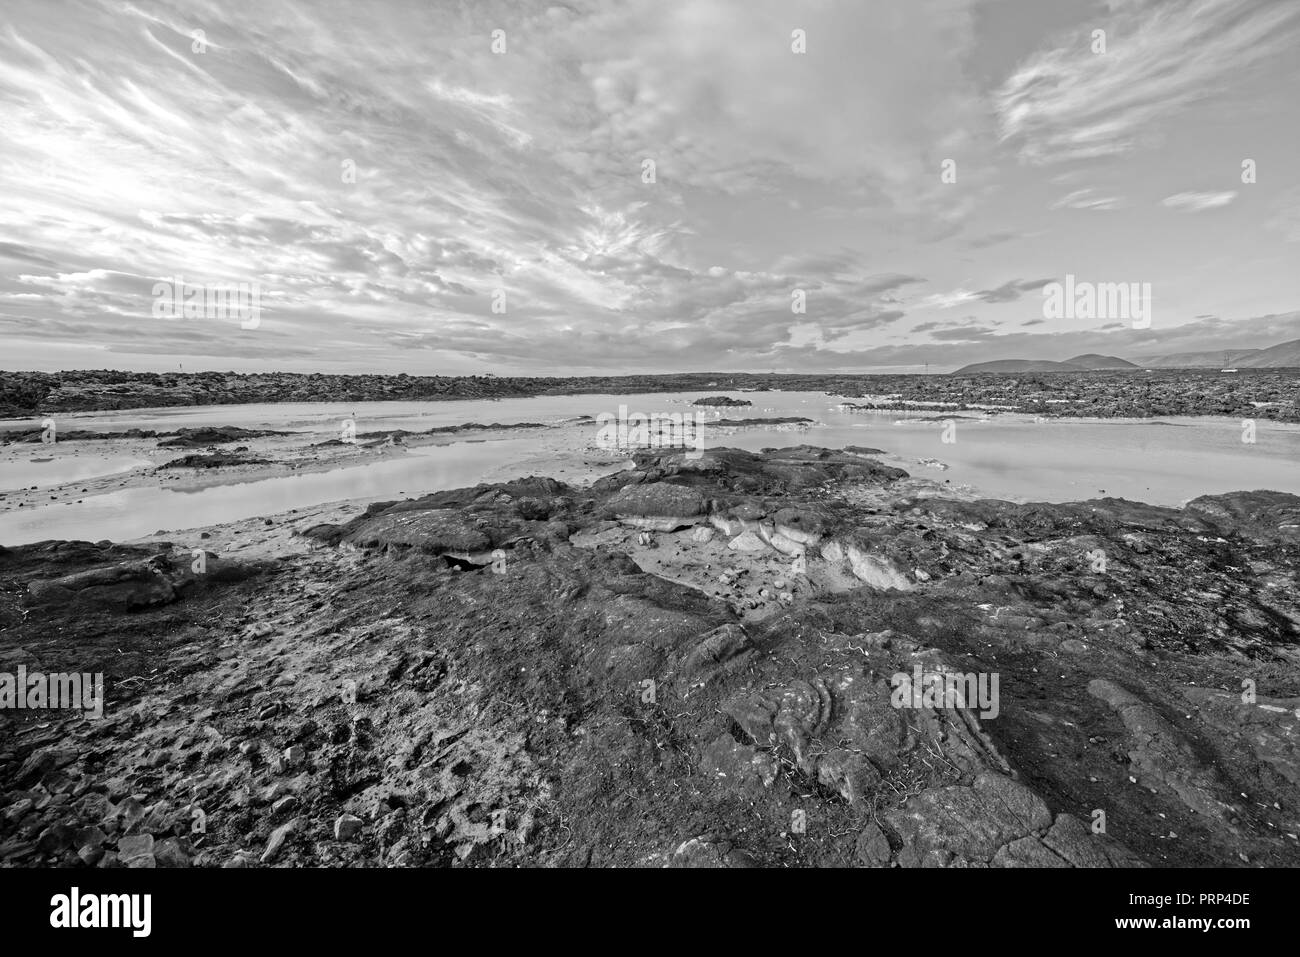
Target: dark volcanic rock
x=136, y=583
x=722, y=400
x=212, y=461
x=529, y=673
x=1267, y=513
x=972, y=823
x=1161, y=757
x=433, y=531
x=657, y=505
x=127, y=586
x=760, y=420
x=212, y=435
x=1262, y=393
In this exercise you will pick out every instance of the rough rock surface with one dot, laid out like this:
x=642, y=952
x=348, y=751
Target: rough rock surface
x=533, y=673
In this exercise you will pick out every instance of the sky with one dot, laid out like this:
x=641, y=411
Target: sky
x=642, y=186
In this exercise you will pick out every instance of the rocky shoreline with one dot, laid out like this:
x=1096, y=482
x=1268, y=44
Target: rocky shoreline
x=689, y=663
x=1269, y=394
x=569, y=448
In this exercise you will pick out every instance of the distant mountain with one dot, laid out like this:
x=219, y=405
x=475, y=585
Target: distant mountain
x=1284, y=355
x=1017, y=365
x=1198, y=360
x=1093, y=361
x=1084, y=363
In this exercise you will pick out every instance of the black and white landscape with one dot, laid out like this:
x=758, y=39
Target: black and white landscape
x=662, y=433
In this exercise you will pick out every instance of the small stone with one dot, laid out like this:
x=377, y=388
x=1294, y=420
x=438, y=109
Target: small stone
x=89, y=835
x=90, y=854
x=286, y=803
x=19, y=809
x=159, y=818
x=131, y=812
x=295, y=756
x=873, y=847
x=273, y=793
x=55, y=838
x=169, y=853
x=13, y=850
x=36, y=766
x=276, y=843
x=347, y=827
x=136, y=851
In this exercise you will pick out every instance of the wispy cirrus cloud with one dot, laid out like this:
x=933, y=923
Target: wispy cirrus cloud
x=1068, y=102
x=386, y=176
x=1087, y=199
x=390, y=181
x=1009, y=291
x=1199, y=202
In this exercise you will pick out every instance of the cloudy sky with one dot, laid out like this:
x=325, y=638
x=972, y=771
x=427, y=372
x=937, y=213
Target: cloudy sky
x=387, y=177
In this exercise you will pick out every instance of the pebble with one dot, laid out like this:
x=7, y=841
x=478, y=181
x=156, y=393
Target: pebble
x=90, y=854
x=169, y=853
x=131, y=812
x=276, y=843
x=347, y=827
x=136, y=851
x=286, y=803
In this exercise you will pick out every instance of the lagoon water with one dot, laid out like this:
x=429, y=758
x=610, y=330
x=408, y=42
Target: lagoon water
x=136, y=512
x=1162, y=461
x=47, y=467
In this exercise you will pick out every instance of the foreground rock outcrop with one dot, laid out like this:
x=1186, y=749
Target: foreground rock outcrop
x=795, y=658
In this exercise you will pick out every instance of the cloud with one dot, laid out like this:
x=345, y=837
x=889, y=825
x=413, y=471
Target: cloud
x=959, y=346
x=408, y=200
x=1009, y=291
x=24, y=254
x=1086, y=199
x=949, y=300
x=1068, y=103
x=387, y=178
x=963, y=322
x=1197, y=202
